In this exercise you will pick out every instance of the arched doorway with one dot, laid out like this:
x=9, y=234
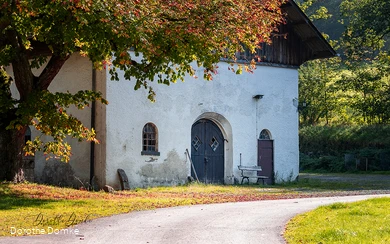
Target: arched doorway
x=207, y=152
x=265, y=156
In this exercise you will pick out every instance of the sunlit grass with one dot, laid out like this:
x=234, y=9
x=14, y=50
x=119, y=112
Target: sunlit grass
x=361, y=222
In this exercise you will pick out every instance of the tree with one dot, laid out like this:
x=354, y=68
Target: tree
x=314, y=13
x=318, y=91
x=368, y=27
x=357, y=89
x=366, y=45
x=169, y=35
x=316, y=77
x=369, y=87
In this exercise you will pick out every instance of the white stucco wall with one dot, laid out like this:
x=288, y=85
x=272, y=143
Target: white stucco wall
x=227, y=100
x=178, y=107
x=75, y=75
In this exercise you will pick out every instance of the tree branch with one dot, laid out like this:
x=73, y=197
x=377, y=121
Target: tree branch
x=51, y=70
x=4, y=24
x=21, y=67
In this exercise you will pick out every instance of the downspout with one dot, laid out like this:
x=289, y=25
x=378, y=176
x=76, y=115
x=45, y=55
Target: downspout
x=93, y=117
x=257, y=98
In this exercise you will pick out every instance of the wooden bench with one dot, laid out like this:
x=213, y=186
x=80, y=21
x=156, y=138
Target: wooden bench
x=251, y=168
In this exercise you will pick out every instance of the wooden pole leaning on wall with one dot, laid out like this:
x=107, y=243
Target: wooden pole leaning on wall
x=192, y=165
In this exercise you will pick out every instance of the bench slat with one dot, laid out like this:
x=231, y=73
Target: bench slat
x=251, y=168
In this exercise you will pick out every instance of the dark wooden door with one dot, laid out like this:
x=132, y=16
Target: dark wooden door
x=207, y=151
x=265, y=159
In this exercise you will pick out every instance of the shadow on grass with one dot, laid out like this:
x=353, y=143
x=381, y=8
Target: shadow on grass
x=10, y=200
x=14, y=202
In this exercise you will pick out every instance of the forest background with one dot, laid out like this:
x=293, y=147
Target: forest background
x=344, y=102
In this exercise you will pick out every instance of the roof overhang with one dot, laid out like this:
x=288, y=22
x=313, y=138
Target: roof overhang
x=309, y=34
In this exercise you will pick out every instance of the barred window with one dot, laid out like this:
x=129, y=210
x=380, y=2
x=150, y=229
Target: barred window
x=150, y=140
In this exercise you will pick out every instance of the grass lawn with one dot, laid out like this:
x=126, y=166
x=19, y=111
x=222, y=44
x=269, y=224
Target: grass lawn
x=39, y=206
x=361, y=222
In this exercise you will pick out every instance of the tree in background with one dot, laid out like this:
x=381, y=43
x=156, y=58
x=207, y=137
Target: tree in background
x=312, y=11
x=357, y=89
x=169, y=34
x=368, y=27
x=357, y=107
x=368, y=87
x=317, y=88
x=365, y=41
x=318, y=91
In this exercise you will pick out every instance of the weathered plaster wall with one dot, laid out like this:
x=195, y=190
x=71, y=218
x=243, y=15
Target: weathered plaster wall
x=75, y=75
x=227, y=100
x=178, y=106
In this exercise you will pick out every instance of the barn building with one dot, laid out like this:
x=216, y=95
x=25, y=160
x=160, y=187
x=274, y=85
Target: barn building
x=248, y=119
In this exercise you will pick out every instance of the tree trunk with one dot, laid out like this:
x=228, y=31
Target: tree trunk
x=11, y=158
x=12, y=141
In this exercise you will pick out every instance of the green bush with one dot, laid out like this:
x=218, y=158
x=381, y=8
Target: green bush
x=337, y=139
x=323, y=148
x=321, y=164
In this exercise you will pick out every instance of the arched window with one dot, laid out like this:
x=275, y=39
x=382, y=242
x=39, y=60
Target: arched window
x=150, y=140
x=265, y=135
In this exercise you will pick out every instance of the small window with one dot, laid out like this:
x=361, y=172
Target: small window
x=265, y=135
x=27, y=135
x=150, y=140
x=214, y=144
x=196, y=143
